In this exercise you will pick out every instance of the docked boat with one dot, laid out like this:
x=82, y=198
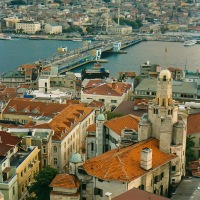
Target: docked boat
x=97, y=71
x=197, y=38
x=189, y=42
x=77, y=40
x=4, y=37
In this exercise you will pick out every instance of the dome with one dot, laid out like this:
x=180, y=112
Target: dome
x=76, y=158
x=101, y=117
x=144, y=120
x=180, y=123
x=165, y=73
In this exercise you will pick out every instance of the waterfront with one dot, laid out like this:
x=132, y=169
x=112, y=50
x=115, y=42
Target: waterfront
x=20, y=51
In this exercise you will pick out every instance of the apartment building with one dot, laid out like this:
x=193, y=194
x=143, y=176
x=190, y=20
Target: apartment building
x=111, y=94
x=29, y=27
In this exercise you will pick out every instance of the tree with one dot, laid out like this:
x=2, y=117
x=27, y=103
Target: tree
x=111, y=115
x=190, y=156
x=40, y=188
x=89, y=29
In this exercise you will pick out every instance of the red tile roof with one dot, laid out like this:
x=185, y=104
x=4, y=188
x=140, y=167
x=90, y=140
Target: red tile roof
x=68, y=119
x=91, y=128
x=124, y=165
x=7, y=142
x=108, y=90
x=65, y=181
x=45, y=109
x=193, y=123
x=120, y=123
x=95, y=104
x=137, y=194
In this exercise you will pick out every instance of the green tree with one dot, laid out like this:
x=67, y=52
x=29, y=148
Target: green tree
x=40, y=188
x=111, y=115
x=190, y=156
x=89, y=29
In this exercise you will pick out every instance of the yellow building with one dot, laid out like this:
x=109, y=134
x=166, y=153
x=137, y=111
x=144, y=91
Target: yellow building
x=26, y=164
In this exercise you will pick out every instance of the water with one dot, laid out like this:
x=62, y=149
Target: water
x=20, y=51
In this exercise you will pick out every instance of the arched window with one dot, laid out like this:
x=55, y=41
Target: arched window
x=164, y=78
x=169, y=112
x=55, y=149
x=156, y=111
x=13, y=190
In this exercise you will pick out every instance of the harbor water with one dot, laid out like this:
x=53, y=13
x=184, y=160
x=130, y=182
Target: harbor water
x=16, y=52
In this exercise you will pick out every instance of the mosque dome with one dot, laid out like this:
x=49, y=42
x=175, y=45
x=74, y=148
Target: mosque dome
x=165, y=74
x=76, y=158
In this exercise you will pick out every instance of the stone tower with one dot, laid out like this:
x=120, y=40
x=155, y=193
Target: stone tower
x=163, y=111
x=100, y=120
x=165, y=123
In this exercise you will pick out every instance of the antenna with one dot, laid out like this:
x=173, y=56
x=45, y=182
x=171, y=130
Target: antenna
x=165, y=57
x=186, y=63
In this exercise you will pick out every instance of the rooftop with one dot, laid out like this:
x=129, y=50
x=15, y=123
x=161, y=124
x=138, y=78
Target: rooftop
x=124, y=164
x=137, y=194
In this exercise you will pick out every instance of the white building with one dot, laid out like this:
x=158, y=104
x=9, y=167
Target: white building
x=52, y=29
x=121, y=30
x=29, y=27
x=112, y=94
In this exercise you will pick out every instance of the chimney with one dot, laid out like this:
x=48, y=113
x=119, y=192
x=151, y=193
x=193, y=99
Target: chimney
x=146, y=158
x=108, y=194
x=28, y=140
x=114, y=84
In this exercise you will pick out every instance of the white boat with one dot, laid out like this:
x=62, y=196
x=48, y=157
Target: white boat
x=77, y=40
x=4, y=37
x=189, y=42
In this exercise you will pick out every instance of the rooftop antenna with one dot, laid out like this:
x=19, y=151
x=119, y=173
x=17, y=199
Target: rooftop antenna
x=165, y=57
x=186, y=63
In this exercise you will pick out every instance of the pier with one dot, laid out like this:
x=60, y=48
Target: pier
x=91, y=52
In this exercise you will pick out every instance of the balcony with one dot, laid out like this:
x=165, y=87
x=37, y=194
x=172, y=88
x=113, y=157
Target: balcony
x=7, y=184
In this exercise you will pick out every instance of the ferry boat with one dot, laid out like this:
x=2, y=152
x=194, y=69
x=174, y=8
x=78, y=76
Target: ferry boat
x=4, y=37
x=97, y=71
x=189, y=42
x=62, y=49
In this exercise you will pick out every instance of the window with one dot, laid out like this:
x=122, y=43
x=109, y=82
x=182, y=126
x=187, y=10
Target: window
x=13, y=190
x=25, y=170
x=55, y=149
x=55, y=161
x=21, y=173
x=98, y=191
x=101, y=100
x=44, y=149
x=113, y=101
x=92, y=146
x=45, y=162
x=83, y=186
x=162, y=175
x=141, y=187
x=22, y=188
x=173, y=168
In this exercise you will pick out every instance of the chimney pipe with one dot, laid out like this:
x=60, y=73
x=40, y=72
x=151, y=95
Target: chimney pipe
x=108, y=194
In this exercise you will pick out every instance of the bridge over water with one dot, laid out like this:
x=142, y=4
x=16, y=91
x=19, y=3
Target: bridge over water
x=90, y=53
